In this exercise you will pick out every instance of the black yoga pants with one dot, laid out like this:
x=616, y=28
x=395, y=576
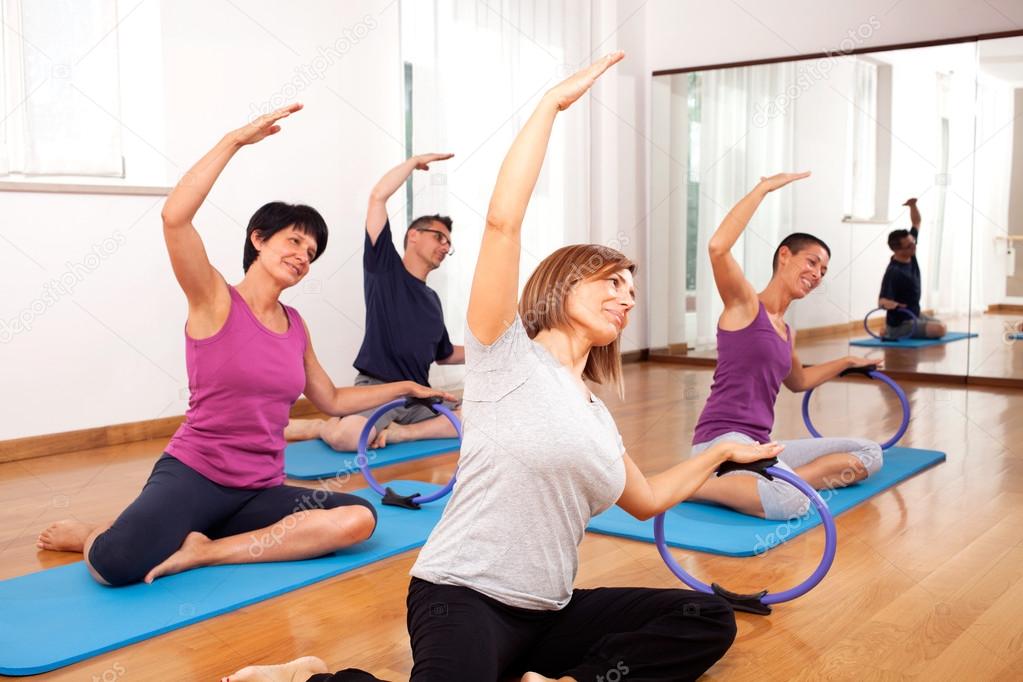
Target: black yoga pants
x=177, y=500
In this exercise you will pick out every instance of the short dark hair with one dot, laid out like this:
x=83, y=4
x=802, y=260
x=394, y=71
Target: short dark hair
x=423, y=222
x=796, y=242
x=895, y=238
x=271, y=218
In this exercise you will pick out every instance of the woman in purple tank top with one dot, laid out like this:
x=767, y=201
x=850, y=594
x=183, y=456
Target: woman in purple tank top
x=217, y=495
x=756, y=354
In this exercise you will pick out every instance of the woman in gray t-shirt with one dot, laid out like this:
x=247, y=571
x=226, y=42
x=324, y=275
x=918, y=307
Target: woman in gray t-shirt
x=491, y=592
x=492, y=589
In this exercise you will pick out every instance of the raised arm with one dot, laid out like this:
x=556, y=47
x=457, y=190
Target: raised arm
x=197, y=278
x=735, y=290
x=914, y=213
x=376, y=213
x=494, y=296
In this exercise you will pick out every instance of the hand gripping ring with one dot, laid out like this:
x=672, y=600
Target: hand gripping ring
x=760, y=602
x=389, y=496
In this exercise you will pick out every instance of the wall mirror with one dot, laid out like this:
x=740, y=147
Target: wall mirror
x=940, y=124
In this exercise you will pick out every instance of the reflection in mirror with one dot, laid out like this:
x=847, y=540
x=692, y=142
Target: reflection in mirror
x=875, y=130
x=997, y=304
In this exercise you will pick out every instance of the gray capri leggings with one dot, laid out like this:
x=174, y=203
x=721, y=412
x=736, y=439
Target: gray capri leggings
x=780, y=500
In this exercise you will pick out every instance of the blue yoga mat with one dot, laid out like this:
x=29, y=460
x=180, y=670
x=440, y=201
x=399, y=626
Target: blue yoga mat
x=56, y=617
x=713, y=529
x=911, y=343
x=314, y=459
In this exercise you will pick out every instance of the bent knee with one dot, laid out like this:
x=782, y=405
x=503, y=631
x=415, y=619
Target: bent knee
x=115, y=563
x=871, y=458
x=718, y=619
x=359, y=522
x=781, y=501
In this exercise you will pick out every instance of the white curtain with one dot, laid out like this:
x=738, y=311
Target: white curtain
x=478, y=69
x=862, y=143
x=947, y=252
x=61, y=87
x=992, y=185
x=746, y=133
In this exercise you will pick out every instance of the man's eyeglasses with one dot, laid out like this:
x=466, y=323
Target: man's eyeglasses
x=441, y=237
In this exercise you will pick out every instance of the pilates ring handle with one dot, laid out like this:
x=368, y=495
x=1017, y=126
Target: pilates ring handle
x=872, y=374
x=389, y=496
x=758, y=467
x=760, y=602
x=906, y=311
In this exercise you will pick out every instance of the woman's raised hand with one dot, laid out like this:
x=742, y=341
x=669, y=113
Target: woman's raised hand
x=423, y=161
x=265, y=125
x=575, y=86
x=781, y=179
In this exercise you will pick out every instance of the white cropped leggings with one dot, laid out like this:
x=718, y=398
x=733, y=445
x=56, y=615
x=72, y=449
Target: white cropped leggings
x=780, y=500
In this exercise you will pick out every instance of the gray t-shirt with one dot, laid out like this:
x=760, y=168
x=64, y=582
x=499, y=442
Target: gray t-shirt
x=537, y=462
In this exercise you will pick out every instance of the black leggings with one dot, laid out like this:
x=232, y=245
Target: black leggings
x=177, y=500
x=609, y=634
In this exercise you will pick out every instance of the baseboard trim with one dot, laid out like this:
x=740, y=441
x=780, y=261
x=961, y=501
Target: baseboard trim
x=641, y=355
x=1011, y=308
x=101, y=436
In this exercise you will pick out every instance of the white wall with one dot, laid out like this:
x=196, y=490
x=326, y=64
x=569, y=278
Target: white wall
x=111, y=349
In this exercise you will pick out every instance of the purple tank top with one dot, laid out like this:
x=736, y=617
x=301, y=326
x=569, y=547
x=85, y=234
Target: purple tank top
x=752, y=363
x=243, y=381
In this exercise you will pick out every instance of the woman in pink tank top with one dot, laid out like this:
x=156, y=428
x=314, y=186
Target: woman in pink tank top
x=217, y=495
x=756, y=355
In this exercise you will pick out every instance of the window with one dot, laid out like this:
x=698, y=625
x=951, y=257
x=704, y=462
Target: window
x=60, y=89
x=869, y=142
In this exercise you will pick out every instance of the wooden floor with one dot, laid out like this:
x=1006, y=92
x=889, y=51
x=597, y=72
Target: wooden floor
x=927, y=584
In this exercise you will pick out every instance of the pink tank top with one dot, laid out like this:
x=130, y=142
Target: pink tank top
x=243, y=381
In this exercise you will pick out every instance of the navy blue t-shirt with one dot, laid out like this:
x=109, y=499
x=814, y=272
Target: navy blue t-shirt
x=405, y=329
x=901, y=283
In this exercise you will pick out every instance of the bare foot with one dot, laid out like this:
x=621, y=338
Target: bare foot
x=189, y=555
x=65, y=536
x=394, y=433
x=537, y=677
x=299, y=669
x=303, y=429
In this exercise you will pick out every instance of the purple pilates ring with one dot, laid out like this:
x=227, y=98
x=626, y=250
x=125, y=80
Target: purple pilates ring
x=760, y=602
x=363, y=460
x=907, y=311
x=873, y=374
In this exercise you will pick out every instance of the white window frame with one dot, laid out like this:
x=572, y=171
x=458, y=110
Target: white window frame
x=14, y=116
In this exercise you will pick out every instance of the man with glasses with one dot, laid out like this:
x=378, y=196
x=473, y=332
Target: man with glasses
x=405, y=329
x=901, y=288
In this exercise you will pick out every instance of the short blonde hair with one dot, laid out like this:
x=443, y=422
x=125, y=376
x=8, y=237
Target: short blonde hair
x=542, y=305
